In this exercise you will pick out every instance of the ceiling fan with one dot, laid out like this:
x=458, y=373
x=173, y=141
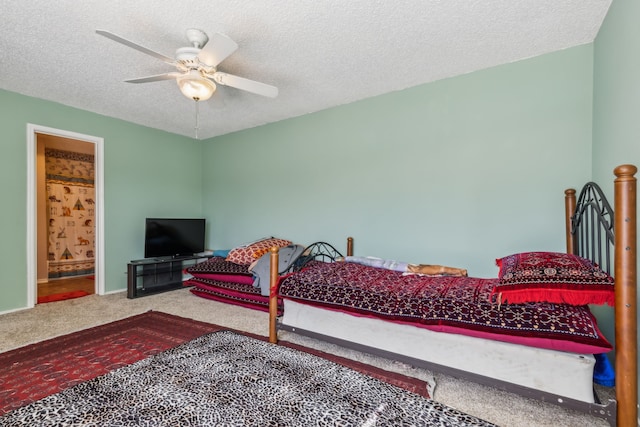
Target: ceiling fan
x=196, y=66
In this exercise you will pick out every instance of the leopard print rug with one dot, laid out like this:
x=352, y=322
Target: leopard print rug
x=228, y=379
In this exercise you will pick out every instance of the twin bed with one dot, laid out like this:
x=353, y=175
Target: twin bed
x=528, y=331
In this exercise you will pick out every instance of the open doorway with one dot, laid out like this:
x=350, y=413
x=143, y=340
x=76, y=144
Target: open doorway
x=65, y=215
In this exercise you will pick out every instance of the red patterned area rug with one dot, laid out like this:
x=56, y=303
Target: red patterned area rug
x=35, y=371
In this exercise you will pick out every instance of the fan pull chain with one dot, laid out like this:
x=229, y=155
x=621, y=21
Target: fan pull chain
x=197, y=117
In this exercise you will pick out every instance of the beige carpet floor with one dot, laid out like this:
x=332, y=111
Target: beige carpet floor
x=53, y=319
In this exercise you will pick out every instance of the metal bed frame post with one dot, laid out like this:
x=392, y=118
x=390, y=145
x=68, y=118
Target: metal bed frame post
x=273, y=296
x=582, y=240
x=570, y=208
x=625, y=256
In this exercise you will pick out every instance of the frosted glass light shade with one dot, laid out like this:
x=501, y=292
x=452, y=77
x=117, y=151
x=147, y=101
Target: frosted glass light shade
x=194, y=86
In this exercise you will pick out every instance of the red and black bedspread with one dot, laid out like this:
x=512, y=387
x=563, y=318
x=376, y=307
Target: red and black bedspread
x=462, y=305
x=217, y=268
x=221, y=280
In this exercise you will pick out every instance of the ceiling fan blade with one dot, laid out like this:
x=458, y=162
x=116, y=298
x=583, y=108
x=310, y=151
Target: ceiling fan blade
x=135, y=46
x=245, y=84
x=217, y=49
x=156, y=78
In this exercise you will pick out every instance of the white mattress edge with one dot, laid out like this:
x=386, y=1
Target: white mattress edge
x=561, y=373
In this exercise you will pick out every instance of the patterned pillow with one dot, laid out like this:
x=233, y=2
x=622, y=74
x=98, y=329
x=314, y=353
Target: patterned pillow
x=246, y=254
x=552, y=277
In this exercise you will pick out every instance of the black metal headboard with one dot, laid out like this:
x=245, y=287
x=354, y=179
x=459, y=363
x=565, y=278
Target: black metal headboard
x=319, y=251
x=592, y=227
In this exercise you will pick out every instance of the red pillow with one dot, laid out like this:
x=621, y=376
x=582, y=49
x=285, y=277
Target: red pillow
x=553, y=277
x=246, y=254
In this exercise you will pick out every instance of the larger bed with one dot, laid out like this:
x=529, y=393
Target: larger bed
x=476, y=329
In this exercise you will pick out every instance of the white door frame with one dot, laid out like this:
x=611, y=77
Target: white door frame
x=32, y=187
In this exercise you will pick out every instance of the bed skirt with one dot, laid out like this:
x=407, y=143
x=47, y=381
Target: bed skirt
x=555, y=372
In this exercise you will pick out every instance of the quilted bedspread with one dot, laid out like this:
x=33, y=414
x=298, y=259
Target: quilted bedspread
x=449, y=304
x=219, y=265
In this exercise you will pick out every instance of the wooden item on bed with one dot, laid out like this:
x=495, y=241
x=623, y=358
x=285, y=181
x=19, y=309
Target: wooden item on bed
x=625, y=265
x=433, y=270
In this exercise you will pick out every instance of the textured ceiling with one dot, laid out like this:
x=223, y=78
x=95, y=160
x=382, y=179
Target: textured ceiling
x=319, y=54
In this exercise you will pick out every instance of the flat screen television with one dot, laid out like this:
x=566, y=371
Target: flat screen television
x=173, y=237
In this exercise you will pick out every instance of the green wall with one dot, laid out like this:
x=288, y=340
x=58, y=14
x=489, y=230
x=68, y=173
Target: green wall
x=456, y=172
x=616, y=129
x=146, y=173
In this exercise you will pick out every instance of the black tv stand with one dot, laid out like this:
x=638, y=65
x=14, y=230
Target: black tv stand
x=163, y=259
x=174, y=257
x=152, y=275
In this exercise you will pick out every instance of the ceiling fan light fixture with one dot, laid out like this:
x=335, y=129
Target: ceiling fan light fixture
x=195, y=86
